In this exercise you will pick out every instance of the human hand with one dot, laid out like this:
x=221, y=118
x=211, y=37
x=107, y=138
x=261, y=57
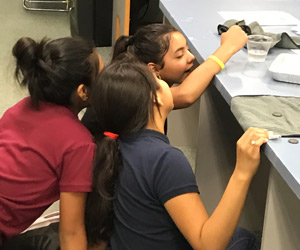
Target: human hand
x=248, y=151
x=234, y=38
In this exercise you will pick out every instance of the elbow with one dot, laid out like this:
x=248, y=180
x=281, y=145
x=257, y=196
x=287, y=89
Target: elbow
x=183, y=102
x=182, y=97
x=189, y=100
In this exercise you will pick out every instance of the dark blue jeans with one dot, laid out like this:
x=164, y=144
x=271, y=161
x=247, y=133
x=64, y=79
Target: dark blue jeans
x=47, y=239
x=242, y=239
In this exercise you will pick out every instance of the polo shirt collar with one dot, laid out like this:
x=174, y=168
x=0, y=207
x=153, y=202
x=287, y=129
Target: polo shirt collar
x=146, y=133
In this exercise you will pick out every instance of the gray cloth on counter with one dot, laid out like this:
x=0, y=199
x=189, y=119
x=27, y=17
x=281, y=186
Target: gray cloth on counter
x=281, y=40
x=265, y=111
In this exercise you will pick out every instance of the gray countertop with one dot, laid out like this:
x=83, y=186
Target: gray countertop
x=198, y=21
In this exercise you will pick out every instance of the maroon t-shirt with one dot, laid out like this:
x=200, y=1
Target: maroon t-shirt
x=42, y=153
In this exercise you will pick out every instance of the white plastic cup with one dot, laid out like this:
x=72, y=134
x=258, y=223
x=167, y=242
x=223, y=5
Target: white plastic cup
x=258, y=47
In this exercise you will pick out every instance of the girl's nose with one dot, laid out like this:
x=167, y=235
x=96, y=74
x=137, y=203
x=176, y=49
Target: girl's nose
x=191, y=57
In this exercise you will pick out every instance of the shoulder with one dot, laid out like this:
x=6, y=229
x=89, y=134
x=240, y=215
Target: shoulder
x=173, y=159
x=18, y=107
x=65, y=123
x=173, y=176
x=163, y=157
x=154, y=146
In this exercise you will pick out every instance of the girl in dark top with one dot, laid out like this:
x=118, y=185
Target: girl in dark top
x=165, y=51
x=145, y=194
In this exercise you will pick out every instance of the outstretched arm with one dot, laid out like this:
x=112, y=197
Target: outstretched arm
x=215, y=232
x=194, y=85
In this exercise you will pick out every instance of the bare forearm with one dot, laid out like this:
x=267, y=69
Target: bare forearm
x=73, y=240
x=225, y=52
x=214, y=232
x=72, y=234
x=224, y=219
x=195, y=84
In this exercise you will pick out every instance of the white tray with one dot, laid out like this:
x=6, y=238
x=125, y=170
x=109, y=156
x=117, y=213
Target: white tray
x=286, y=68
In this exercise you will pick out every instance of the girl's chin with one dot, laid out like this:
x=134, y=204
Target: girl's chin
x=185, y=75
x=188, y=72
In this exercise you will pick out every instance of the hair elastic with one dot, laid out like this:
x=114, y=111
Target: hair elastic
x=111, y=135
x=218, y=61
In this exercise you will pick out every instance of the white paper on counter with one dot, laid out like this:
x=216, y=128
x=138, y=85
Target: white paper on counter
x=267, y=18
x=296, y=30
x=296, y=51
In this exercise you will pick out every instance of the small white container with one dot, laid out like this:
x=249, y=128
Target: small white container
x=286, y=68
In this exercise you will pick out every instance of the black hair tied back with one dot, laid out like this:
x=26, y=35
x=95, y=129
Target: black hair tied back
x=124, y=44
x=27, y=52
x=53, y=69
x=100, y=199
x=29, y=63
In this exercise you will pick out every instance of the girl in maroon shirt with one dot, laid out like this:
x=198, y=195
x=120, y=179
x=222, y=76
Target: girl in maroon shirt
x=46, y=153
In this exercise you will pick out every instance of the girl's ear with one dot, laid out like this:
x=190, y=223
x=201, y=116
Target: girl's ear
x=158, y=100
x=154, y=69
x=83, y=92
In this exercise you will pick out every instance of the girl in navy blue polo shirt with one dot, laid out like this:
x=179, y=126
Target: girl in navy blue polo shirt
x=145, y=194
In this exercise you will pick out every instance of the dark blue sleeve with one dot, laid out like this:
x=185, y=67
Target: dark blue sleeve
x=174, y=176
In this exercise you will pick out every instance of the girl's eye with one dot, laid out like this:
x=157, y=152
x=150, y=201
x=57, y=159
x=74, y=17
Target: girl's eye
x=180, y=55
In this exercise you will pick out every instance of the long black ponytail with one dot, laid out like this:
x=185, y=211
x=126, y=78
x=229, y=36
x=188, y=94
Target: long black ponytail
x=122, y=100
x=99, y=210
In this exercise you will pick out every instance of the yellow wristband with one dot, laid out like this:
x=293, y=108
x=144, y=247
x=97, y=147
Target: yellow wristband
x=218, y=61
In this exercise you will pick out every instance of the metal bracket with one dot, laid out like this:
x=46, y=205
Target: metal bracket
x=48, y=5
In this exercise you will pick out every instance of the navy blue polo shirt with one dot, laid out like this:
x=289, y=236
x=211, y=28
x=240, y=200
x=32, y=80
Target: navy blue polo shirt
x=152, y=172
